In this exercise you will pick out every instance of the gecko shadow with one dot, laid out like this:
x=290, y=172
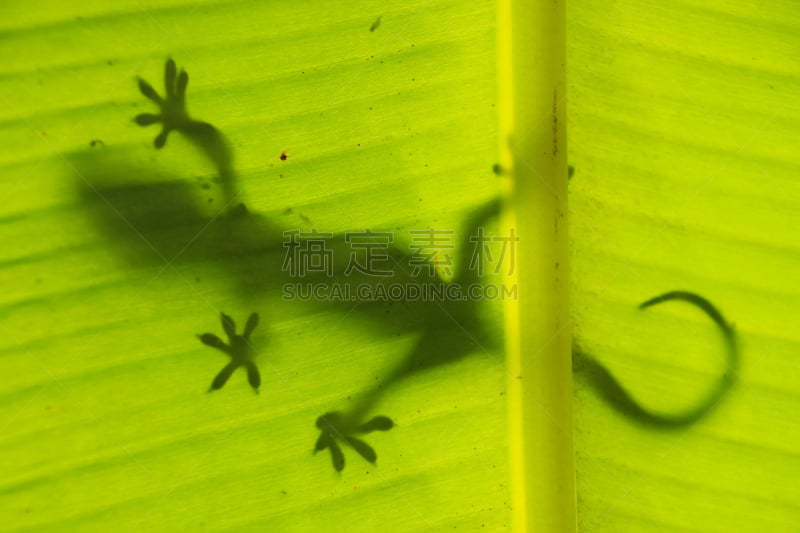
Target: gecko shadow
x=152, y=224
x=166, y=221
x=173, y=116
x=157, y=218
x=598, y=377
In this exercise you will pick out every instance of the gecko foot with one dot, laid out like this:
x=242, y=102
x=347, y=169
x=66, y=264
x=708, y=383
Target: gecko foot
x=238, y=349
x=335, y=426
x=173, y=115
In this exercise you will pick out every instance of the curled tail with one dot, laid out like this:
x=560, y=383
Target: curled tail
x=609, y=388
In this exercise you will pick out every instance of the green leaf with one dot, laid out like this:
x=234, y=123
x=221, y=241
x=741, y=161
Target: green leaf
x=382, y=115
x=117, y=256
x=683, y=124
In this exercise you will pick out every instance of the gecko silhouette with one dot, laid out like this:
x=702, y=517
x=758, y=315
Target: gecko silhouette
x=174, y=116
x=152, y=222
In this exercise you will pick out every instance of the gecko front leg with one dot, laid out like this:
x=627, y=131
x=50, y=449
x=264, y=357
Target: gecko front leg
x=173, y=116
x=334, y=427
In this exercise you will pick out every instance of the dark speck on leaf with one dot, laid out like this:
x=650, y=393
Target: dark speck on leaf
x=497, y=169
x=376, y=24
x=570, y=171
x=96, y=142
x=284, y=157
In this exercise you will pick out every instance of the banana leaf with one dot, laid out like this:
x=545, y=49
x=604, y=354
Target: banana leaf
x=159, y=158
x=683, y=122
